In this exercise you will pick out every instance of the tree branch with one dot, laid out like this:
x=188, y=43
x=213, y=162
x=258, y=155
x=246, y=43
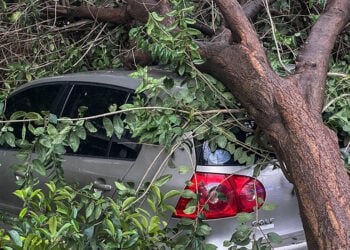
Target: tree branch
x=112, y=15
x=236, y=20
x=134, y=10
x=312, y=62
x=252, y=8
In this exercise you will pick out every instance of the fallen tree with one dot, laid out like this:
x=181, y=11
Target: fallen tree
x=287, y=109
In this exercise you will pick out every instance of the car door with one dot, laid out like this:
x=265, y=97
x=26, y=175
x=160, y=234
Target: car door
x=100, y=159
x=30, y=98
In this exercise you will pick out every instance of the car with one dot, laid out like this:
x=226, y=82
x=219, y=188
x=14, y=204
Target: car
x=102, y=160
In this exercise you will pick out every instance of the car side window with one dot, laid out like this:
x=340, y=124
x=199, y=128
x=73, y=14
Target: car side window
x=34, y=99
x=98, y=98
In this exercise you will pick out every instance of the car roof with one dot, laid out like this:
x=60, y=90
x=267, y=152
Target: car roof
x=116, y=77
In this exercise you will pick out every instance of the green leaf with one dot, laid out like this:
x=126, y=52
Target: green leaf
x=89, y=210
x=90, y=127
x=162, y=180
x=152, y=205
x=227, y=243
x=241, y=235
x=17, y=115
x=204, y=230
x=53, y=118
x=120, y=186
x=189, y=194
x=190, y=209
x=230, y=147
x=190, y=20
x=187, y=222
x=112, y=108
x=274, y=238
x=38, y=167
x=128, y=201
x=22, y=194
x=181, y=70
x=132, y=240
x=154, y=225
x=110, y=226
x=74, y=141
x=230, y=136
x=51, y=130
x=16, y=238
x=23, y=212
x=171, y=193
x=157, y=17
x=63, y=228
x=15, y=16
x=244, y=217
x=193, y=32
x=10, y=139
x=22, y=155
x=238, y=153
x=108, y=125
x=82, y=110
x=221, y=141
x=53, y=225
x=52, y=47
x=156, y=191
x=24, y=131
x=34, y=115
x=118, y=126
x=45, y=141
x=81, y=133
x=198, y=61
x=51, y=185
x=27, y=242
x=184, y=169
x=311, y=3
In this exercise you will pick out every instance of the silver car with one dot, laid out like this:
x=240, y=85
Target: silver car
x=102, y=160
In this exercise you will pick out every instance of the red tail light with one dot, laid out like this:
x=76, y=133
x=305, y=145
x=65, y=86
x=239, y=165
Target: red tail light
x=222, y=195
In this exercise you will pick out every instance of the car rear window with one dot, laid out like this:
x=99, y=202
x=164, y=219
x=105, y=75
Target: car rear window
x=220, y=157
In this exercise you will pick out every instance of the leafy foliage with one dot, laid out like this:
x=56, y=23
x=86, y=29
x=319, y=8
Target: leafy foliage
x=66, y=217
x=84, y=219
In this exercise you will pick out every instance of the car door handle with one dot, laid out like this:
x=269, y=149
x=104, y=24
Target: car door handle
x=19, y=175
x=101, y=186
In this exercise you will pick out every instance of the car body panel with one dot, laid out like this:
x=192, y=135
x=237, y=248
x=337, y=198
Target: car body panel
x=9, y=202
x=153, y=162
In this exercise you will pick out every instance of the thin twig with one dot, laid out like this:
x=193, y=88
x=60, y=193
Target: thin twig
x=333, y=101
x=206, y=112
x=273, y=29
x=337, y=74
x=91, y=44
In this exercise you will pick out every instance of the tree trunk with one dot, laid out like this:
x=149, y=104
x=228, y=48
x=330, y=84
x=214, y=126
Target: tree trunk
x=311, y=153
x=288, y=110
x=301, y=140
